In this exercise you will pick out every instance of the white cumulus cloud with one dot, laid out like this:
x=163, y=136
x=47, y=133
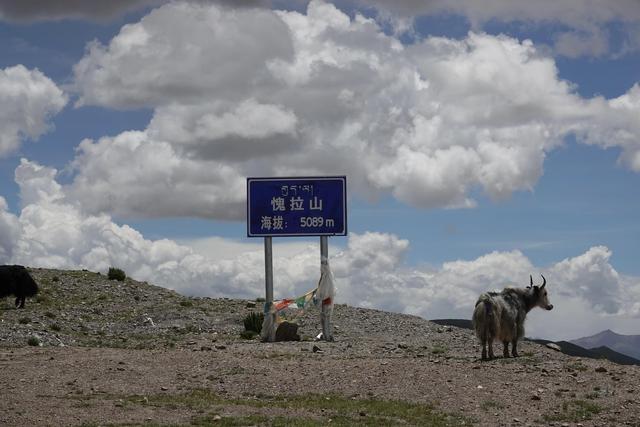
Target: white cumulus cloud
x=28, y=100
x=133, y=175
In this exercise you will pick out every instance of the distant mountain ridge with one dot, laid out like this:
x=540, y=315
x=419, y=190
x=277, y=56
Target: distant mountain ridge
x=625, y=344
x=573, y=348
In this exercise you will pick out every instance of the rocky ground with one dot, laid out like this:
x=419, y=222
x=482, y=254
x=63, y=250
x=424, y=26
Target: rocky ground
x=89, y=351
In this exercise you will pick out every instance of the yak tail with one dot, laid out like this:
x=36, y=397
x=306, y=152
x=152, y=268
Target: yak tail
x=484, y=319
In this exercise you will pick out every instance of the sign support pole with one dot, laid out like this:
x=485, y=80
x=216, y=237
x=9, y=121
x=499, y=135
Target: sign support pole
x=268, y=274
x=324, y=250
x=325, y=315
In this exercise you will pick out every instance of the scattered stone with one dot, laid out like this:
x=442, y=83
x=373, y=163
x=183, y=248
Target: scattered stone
x=206, y=348
x=163, y=388
x=535, y=397
x=554, y=346
x=317, y=349
x=216, y=418
x=221, y=347
x=601, y=369
x=251, y=304
x=287, y=331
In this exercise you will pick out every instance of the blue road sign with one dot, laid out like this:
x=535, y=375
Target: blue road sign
x=309, y=206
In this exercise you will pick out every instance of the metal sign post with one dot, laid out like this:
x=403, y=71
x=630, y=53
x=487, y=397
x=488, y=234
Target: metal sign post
x=301, y=206
x=268, y=274
x=325, y=315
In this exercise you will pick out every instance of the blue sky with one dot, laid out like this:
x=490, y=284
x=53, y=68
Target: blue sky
x=505, y=158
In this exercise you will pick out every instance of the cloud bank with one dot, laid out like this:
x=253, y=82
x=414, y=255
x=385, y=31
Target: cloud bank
x=25, y=11
x=261, y=92
x=577, y=28
x=370, y=271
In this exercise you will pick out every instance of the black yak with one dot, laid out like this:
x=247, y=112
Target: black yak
x=15, y=280
x=500, y=315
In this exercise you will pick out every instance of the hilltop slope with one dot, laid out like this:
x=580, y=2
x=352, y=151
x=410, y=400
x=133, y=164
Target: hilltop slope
x=188, y=366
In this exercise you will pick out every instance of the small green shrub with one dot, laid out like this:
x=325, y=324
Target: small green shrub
x=24, y=320
x=33, y=341
x=50, y=315
x=56, y=279
x=116, y=274
x=55, y=327
x=186, y=303
x=253, y=322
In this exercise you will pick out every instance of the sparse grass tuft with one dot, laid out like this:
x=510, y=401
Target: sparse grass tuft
x=575, y=411
x=43, y=299
x=439, y=349
x=343, y=411
x=576, y=366
x=248, y=335
x=24, y=320
x=489, y=405
x=186, y=303
x=33, y=341
x=55, y=327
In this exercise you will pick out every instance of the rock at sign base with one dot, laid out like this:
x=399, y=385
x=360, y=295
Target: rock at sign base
x=554, y=346
x=287, y=331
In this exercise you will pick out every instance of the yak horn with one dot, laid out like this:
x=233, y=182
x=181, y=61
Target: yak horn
x=544, y=282
x=531, y=280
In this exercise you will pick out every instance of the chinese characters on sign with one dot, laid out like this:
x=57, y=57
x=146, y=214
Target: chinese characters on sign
x=296, y=206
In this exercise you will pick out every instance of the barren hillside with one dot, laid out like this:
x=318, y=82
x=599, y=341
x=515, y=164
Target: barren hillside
x=89, y=351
